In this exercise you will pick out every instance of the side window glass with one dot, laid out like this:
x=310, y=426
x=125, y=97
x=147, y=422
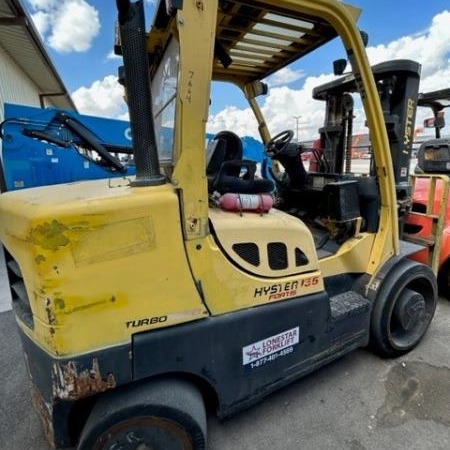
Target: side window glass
x=164, y=92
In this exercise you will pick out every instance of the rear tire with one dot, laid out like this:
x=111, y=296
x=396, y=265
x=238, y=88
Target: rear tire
x=161, y=415
x=403, y=309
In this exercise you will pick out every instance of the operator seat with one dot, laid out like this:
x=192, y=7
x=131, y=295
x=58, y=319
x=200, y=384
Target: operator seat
x=228, y=172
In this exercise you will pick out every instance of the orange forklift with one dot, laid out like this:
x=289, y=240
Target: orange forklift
x=429, y=220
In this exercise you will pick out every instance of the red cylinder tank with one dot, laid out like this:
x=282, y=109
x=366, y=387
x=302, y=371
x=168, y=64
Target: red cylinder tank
x=259, y=203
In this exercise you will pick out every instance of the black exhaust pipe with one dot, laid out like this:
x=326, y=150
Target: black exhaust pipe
x=139, y=97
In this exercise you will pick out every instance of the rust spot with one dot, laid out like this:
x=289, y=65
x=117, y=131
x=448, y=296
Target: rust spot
x=45, y=413
x=50, y=315
x=70, y=384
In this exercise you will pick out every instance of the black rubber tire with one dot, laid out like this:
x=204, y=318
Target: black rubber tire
x=444, y=280
x=160, y=415
x=403, y=309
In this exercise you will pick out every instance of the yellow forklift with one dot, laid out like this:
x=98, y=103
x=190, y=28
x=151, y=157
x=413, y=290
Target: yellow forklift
x=140, y=301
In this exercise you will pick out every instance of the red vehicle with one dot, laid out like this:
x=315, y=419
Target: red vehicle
x=429, y=220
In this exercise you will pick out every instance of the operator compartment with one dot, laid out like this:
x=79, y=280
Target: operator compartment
x=336, y=198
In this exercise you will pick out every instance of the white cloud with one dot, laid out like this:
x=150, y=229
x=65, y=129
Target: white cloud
x=43, y=4
x=112, y=56
x=124, y=116
x=439, y=79
x=42, y=22
x=66, y=25
x=241, y=121
x=279, y=108
x=431, y=48
x=75, y=24
x=103, y=98
x=284, y=76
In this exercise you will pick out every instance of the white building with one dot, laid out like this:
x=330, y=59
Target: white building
x=28, y=77
x=27, y=74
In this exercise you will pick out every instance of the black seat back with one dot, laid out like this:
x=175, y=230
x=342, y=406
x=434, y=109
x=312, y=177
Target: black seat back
x=226, y=146
x=228, y=172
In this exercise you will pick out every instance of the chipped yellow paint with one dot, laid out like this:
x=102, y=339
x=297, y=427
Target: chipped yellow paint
x=49, y=235
x=95, y=257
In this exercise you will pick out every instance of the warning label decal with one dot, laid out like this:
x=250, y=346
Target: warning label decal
x=271, y=348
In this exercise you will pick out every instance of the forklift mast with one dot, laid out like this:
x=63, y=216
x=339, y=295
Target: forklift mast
x=398, y=86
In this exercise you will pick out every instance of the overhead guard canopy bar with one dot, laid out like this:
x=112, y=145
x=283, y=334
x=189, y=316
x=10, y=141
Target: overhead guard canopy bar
x=258, y=37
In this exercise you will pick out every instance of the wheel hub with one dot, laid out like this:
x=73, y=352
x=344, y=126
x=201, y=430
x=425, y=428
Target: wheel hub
x=144, y=447
x=145, y=433
x=410, y=309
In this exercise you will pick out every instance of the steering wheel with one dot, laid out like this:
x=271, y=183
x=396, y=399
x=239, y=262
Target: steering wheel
x=279, y=142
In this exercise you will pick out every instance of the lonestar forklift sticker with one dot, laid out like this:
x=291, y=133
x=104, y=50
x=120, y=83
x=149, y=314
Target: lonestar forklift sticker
x=269, y=349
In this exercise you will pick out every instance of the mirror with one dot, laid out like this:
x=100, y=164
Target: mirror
x=364, y=37
x=435, y=122
x=339, y=66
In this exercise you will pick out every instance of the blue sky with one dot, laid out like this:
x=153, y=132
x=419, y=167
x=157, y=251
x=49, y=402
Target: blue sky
x=79, y=36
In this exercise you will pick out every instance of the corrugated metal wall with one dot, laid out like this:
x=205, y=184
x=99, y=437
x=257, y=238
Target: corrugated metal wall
x=15, y=85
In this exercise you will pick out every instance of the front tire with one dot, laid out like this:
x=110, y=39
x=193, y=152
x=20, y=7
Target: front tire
x=403, y=309
x=160, y=415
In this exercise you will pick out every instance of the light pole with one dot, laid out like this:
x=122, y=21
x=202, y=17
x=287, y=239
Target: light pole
x=297, y=118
